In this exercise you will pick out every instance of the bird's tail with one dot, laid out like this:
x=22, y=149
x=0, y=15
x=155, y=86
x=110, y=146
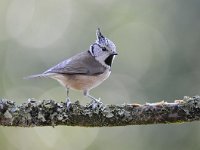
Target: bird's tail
x=35, y=76
x=43, y=75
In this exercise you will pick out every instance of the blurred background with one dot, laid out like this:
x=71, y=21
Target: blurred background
x=158, y=44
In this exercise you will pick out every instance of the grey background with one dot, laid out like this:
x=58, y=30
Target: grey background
x=158, y=45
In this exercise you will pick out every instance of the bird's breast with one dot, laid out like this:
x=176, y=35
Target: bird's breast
x=82, y=82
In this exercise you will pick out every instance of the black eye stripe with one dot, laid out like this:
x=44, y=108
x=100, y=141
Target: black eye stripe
x=104, y=49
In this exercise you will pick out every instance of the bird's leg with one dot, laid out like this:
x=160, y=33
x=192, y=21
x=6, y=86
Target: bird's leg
x=95, y=102
x=86, y=93
x=68, y=93
x=68, y=102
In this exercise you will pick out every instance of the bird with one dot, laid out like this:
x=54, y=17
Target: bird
x=86, y=70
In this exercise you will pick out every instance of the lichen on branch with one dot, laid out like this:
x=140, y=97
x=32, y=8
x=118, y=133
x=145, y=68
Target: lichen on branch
x=51, y=113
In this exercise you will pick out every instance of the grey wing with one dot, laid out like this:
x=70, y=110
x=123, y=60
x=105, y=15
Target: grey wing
x=82, y=63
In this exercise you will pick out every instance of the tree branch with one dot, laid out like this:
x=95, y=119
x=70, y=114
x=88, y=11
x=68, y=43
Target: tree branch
x=50, y=113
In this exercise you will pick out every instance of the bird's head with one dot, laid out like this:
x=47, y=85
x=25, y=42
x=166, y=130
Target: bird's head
x=104, y=50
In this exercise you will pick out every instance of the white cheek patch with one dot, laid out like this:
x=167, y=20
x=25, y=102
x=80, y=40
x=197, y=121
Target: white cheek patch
x=95, y=50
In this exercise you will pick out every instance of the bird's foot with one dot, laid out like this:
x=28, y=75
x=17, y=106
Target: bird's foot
x=95, y=103
x=68, y=103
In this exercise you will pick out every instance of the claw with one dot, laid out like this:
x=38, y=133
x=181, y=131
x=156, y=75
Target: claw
x=95, y=103
x=68, y=103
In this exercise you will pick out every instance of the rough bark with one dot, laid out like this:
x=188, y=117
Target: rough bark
x=51, y=113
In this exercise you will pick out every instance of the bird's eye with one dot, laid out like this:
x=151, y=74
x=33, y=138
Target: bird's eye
x=104, y=49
